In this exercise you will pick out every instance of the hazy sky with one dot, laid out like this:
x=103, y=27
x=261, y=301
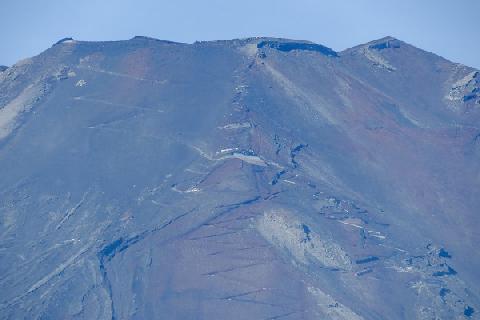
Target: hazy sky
x=448, y=28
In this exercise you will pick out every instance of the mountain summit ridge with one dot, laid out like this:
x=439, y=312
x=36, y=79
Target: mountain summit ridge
x=152, y=179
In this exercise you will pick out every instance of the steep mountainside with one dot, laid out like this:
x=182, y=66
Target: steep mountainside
x=258, y=178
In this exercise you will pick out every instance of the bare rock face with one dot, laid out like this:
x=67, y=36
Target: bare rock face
x=303, y=244
x=257, y=178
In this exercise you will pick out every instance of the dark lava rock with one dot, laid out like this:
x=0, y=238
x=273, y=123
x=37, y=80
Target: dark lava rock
x=289, y=46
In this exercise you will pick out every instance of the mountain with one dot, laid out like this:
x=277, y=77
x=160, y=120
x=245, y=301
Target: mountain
x=256, y=178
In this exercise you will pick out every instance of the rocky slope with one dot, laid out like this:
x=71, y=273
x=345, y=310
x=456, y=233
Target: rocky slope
x=247, y=179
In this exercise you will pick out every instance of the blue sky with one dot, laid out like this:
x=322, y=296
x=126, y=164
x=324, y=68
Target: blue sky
x=448, y=28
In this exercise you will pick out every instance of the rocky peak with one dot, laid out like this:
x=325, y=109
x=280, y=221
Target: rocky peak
x=64, y=40
x=385, y=43
x=290, y=45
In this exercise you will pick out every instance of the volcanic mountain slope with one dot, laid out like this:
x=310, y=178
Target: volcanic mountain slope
x=247, y=179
